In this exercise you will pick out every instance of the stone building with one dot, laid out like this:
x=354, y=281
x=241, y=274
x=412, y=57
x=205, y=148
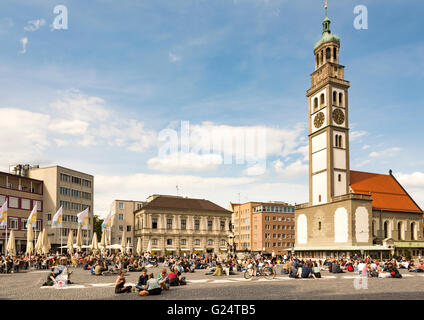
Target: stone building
x=348, y=211
x=173, y=224
x=122, y=215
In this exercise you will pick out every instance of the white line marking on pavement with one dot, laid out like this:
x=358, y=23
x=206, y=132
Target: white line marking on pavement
x=198, y=281
x=102, y=284
x=221, y=281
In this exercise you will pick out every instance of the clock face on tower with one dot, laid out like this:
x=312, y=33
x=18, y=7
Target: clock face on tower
x=319, y=120
x=338, y=116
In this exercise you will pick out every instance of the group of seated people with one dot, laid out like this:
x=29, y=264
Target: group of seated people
x=148, y=284
x=54, y=274
x=299, y=269
x=13, y=265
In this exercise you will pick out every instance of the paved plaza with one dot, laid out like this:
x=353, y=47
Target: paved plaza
x=28, y=285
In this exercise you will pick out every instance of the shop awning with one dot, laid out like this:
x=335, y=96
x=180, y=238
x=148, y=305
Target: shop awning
x=343, y=248
x=184, y=249
x=403, y=244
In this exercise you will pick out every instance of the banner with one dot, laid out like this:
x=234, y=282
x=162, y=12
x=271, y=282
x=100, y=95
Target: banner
x=83, y=219
x=107, y=222
x=57, y=219
x=32, y=219
x=3, y=214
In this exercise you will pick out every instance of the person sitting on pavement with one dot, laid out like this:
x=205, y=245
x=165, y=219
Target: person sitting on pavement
x=152, y=287
x=142, y=280
x=120, y=284
x=316, y=271
x=163, y=280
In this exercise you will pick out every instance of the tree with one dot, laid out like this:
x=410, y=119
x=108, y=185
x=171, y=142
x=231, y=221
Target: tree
x=97, y=226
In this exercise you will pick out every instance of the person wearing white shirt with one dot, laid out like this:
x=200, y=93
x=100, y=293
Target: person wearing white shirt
x=360, y=266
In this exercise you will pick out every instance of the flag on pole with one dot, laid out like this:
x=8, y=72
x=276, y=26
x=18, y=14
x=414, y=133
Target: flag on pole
x=107, y=222
x=32, y=219
x=3, y=214
x=83, y=219
x=57, y=219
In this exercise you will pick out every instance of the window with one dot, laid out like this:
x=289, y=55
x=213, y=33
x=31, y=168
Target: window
x=49, y=217
x=340, y=177
x=274, y=227
x=274, y=235
x=335, y=55
x=76, y=180
x=222, y=225
x=64, y=191
x=128, y=228
x=76, y=193
x=75, y=206
x=210, y=224
x=328, y=53
x=322, y=98
x=274, y=218
x=183, y=224
x=319, y=225
x=23, y=224
x=197, y=242
x=154, y=223
x=121, y=205
x=13, y=202
x=154, y=242
x=64, y=177
x=210, y=242
x=169, y=223
x=400, y=231
x=168, y=242
x=315, y=103
x=139, y=205
x=334, y=96
x=13, y=223
x=25, y=204
x=183, y=242
x=65, y=204
x=121, y=216
x=413, y=237
x=121, y=228
x=385, y=227
x=86, y=183
x=319, y=198
x=38, y=225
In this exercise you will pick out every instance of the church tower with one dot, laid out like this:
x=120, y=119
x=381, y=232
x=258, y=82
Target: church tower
x=328, y=122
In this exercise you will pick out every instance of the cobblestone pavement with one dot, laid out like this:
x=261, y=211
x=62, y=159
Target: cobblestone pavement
x=28, y=285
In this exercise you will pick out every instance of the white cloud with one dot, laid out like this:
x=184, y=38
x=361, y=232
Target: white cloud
x=390, y=152
x=180, y=162
x=365, y=147
x=173, y=57
x=34, y=25
x=354, y=135
x=24, y=42
x=222, y=191
x=75, y=118
x=291, y=171
x=414, y=184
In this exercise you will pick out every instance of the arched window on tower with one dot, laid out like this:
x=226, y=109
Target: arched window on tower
x=317, y=59
x=334, y=97
x=337, y=140
x=319, y=225
x=340, y=141
x=315, y=103
x=322, y=56
x=335, y=54
x=322, y=98
x=373, y=228
x=341, y=99
x=327, y=54
x=340, y=178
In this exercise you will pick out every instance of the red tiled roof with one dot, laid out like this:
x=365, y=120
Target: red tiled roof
x=386, y=192
x=167, y=202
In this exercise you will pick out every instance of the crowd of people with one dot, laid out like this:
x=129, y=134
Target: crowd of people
x=174, y=267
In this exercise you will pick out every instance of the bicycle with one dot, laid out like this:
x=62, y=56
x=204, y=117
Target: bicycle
x=266, y=272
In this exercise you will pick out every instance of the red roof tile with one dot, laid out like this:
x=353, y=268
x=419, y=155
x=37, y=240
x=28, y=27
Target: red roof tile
x=386, y=192
x=180, y=203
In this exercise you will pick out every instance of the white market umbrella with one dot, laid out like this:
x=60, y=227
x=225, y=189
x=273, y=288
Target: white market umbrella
x=149, y=246
x=30, y=239
x=123, y=244
x=79, y=239
x=39, y=244
x=94, y=243
x=11, y=246
x=139, y=248
x=70, y=243
x=46, y=243
x=128, y=247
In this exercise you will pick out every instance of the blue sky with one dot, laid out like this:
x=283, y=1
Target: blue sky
x=96, y=96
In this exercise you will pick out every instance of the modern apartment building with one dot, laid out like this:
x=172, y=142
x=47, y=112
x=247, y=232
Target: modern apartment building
x=263, y=227
x=123, y=219
x=176, y=225
x=71, y=189
x=21, y=194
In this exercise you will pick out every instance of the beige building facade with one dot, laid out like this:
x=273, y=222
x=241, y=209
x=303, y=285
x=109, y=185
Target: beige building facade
x=71, y=189
x=22, y=194
x=177, y=225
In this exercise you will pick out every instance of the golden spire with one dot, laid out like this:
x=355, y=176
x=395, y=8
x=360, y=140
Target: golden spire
x=326, y=7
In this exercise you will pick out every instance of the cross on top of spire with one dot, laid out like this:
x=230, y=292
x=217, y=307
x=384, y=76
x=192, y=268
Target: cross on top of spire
x=326, y=7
